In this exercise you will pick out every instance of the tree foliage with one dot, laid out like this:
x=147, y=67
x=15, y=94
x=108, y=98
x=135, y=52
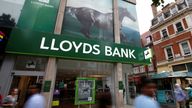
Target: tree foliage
x=157, y=2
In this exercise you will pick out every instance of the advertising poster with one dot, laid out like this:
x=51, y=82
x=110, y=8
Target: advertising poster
x=85, y=91
x=129, y=28
x=10, y=12
x=89, y=18
x=165, y=97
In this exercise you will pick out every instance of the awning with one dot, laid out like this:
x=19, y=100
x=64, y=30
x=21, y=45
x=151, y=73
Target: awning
x=160, y=75
x=172, y=75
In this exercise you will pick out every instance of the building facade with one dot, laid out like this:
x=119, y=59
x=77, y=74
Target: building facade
x=172, y=39
x=142, y=71
x=67, y=24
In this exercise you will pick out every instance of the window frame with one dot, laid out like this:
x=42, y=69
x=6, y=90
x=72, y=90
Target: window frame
x=183, y=8
x=162, y=36
x=182, y=50
x=175, y=27
x=160, y=15
x=171, y=10
x=166, y=54
x=149, y=38
x=168, y=16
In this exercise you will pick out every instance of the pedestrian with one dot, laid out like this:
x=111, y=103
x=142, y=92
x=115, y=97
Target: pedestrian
x=180, y=96
x=11, y=100
x=36, y=100
x=146, y=99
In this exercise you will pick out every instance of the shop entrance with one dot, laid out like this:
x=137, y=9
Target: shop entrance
x=67, y=73
x=22, y=80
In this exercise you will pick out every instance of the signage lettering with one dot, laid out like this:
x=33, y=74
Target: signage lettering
x=66, y=46
x=47, y=44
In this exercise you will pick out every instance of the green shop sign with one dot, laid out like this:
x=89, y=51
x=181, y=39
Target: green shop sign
x=47, y=44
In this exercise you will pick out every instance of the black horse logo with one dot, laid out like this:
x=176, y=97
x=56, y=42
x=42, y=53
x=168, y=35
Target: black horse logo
x=92, y=18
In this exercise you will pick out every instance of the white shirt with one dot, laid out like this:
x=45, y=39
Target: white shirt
x=143, y=101
x=35, y=101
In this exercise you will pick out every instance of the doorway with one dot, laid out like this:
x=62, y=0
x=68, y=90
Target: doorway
x=67, y=73
x=22, y=80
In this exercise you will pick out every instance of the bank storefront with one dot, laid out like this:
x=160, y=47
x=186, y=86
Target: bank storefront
x=75, y=50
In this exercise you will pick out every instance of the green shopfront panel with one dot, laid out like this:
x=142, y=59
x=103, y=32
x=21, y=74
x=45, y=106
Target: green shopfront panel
x=48, y=44
x=39, y=15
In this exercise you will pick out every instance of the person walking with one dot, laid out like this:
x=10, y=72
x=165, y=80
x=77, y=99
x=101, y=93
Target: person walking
x=146, y=99
x=11, y=100
x=180, y=96
x=36, y=100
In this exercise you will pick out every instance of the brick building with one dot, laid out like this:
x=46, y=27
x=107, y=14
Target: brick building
x=171, y=33
x=172, y=37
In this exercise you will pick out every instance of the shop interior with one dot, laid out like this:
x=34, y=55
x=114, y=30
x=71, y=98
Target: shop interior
x=67, y=73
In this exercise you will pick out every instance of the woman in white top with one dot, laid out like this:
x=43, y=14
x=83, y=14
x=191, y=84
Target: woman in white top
x=11, y=100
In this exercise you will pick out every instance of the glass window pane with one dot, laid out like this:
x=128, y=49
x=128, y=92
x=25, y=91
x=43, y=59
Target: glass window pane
x=169, y=53
x=164, y=33
x=181, y=67
x=167, y=14
x=186, y=48
x=69, y=70
x=30, y=63
x=179, y=27
x=174, y=10
x=182, y=5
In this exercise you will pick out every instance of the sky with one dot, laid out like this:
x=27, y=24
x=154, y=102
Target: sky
x=144, y=13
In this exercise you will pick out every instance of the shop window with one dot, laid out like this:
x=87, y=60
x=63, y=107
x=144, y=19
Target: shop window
x=142, y=69
x=69, y=70
x=181, y=67
x=179, y=27
x=29, y=63
x=167, y=14
x=169, y=53
x=136, y=70
x=185, y=48
x=164, y=33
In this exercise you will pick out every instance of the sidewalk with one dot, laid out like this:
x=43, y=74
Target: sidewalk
x=163, y=106
x=128, y=106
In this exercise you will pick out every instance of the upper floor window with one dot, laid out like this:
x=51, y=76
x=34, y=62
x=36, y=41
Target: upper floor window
x=161, y=18
x=185, y=48
x=164, y=33
x=174, y=10
x=182, y=5
x=180, y=67
x=179, y=27
x=149, y=39
x=169, y=53
x=154, y=21
x=167, y=14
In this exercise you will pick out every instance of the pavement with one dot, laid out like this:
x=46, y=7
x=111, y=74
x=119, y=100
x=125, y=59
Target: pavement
x=128, y=106
x=165, y=106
